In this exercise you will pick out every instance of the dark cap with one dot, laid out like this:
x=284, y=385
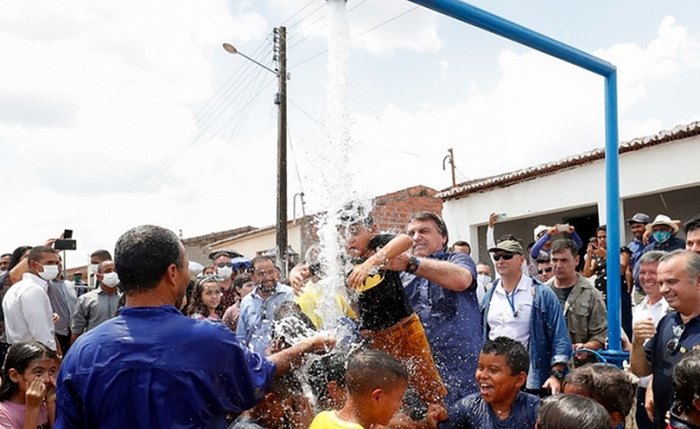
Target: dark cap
x=639, y=218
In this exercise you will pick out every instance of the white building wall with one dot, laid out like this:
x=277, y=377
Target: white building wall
x=677, y=165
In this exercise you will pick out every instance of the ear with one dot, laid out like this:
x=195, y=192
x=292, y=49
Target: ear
x=520, y=380
x=377, y=394
x=14, y=375
x=577, y=258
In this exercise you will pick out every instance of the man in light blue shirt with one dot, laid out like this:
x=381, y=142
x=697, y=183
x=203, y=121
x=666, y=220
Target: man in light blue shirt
x=258, y=308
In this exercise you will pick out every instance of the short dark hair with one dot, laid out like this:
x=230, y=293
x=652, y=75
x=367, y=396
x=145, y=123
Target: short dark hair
x=143, y=255
x=6, y=254
x=515, y=353
x=568, y=411
x=371, y=369
x=461, y=243
x=686, y=381
x=262, y=258
x=36, y=253
x=564, y=244
x=241, y=280
x=607, y=384
x=325, y=369
x=217, y=255
x=601, y=228
x=354, y=212
x=692, y=225
x=103, y=254
x=437, y=220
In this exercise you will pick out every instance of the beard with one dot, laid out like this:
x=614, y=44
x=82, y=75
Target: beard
x=267, y=287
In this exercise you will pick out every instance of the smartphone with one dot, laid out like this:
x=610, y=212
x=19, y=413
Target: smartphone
x=67, y=234
x=500, y=217
x=563, y=227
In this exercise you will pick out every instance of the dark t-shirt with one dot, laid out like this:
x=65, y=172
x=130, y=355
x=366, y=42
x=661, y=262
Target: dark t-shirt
x=662, y=361
x=563, y=294
x=473, y=412
x=382, y=299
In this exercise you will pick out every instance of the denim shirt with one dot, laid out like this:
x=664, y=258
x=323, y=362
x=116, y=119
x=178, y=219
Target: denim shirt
x=549, y=338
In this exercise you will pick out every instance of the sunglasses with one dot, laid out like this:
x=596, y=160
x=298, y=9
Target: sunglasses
x=224, y=264
x=546, y=270
x=674, y=344
x=505, y=256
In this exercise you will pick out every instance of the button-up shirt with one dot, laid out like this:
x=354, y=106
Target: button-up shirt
x=94, y=308
x=257, y=314
x=28, y=312
x=509, y=315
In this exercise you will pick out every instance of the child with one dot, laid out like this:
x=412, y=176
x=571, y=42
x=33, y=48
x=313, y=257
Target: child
x=608, y=385
x=568, y=411
x=27, y=394
x=500, y=375
x=375, y=383
x=327, y=381
x=387, y=319
x=685, y=413
x=206, y=299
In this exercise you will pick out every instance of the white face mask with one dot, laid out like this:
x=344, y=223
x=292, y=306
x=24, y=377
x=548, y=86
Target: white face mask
x=110, y=279
x=224, y=272
x=50, y=272
x=483, y=280
x=94, y=268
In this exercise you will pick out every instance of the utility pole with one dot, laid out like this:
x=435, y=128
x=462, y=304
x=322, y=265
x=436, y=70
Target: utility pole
x=451, y=159
x=280, y=51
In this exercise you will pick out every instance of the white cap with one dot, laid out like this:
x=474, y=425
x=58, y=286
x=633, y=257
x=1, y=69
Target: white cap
x=539, y=230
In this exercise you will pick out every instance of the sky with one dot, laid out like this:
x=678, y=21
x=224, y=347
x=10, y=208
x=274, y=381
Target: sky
x=117, y=114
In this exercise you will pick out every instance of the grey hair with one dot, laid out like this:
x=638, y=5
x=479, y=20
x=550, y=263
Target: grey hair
x=651, y=257
x=692, y=266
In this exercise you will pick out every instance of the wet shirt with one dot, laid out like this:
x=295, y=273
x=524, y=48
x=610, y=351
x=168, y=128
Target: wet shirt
x=474, y=412
x=152, y=367
x=381, y=298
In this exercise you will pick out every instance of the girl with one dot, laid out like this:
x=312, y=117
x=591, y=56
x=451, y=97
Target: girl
x=28, y=393
x=205, y=301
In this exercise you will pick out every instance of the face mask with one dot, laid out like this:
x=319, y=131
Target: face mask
x=483, y=279
x=224, y=272
x=661, y=236
x=50, y=272
x=110, y=280
x=94, y=267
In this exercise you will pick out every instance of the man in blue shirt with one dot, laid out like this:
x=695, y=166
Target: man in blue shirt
x=258, y=308
x=441, y=287
x=152, y=367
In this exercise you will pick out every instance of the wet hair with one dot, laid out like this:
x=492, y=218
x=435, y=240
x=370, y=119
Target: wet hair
x=20, y=356
x=143, y=254
x=102, y=254
x=566, y=411
x=17, y=255
x=692, y=266
x=437, y=220
x=196, y=304
x=324, y=370
x=513, y=351
x=564, y=244
x=355, y=212
x=290, y=324
x=262, y=258
x=651, y=257
x=372, y=369
x=692, y=225
x=608, y=385
x=686, y=381
x=36, y=253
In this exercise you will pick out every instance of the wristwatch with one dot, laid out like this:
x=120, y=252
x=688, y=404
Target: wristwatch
x=559, y=375
x=413, y=264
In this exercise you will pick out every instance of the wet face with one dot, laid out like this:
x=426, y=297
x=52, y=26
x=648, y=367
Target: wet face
x=507, y=264
x=426, y=237
x=680, y=292
x=692, y=241
x=357, y=238
x=44, y=369
x=211, y=295
x=265, y=274
x=386, y=402
x=564, y=264
x=545, y=271
x=637, y=230
x=497, y=383
x=648, y=279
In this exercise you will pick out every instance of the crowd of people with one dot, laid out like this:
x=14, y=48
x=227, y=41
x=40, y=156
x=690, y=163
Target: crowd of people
x=418, y=335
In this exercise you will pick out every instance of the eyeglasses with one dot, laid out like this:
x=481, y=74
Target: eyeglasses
x=261, y=273
x=674, y=344
x=545, y=270
x=505, y=256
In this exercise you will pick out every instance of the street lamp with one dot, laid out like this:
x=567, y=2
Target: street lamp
x=281, y=101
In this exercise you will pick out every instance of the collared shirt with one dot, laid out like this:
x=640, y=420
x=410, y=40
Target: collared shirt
x=509, y=314
x=94, y=308
x=662, y=360
x=257, y=314
x=62, y=303
x=450, y=320
x=644, y=311
x=28, y=315
x=474, y=412
x=152, y=367
x=585, y=312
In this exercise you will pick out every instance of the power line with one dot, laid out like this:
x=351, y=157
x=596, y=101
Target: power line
x=298, y=12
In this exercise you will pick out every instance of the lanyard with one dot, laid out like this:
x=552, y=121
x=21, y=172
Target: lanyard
x=511, y=301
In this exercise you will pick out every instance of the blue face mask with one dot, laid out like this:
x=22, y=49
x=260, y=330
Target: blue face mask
x=661, y=236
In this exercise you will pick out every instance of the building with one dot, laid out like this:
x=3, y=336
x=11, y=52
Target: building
x=658, y=174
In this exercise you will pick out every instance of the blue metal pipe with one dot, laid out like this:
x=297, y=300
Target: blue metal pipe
x=510, y=30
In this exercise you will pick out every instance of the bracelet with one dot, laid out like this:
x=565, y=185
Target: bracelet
x=413, y=264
